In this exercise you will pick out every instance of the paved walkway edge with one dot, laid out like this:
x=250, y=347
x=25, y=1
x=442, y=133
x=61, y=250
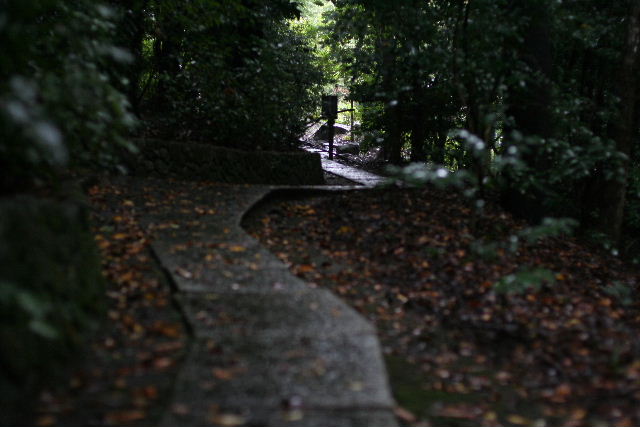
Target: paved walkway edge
x=268, y=350
x=356, y=175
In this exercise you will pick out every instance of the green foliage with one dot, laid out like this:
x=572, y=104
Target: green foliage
x=550, y=227
x=313, y=26
x=519, y=94
x=524, y=280
x=622, y=292
x=50, y=292
x=32, y=306
x=421, y=174
x=231, y=73
x=58, y=104
x=414, y=57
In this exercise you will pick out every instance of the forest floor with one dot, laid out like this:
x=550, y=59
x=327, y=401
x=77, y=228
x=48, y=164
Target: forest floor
x=478, y=327
x=127, y=372
x=199, y=328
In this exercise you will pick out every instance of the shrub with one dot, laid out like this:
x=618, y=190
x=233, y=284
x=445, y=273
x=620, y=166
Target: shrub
x=51, y=291
x=58, y=103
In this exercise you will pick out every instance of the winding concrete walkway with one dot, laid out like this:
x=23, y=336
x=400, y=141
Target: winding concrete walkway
x=267, y=350
x=353, y=174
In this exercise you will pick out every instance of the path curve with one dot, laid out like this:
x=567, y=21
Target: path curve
x=267, y=350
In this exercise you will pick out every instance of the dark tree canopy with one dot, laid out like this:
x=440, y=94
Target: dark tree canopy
x=536, y=100
x=533, y=104
x=544, y=91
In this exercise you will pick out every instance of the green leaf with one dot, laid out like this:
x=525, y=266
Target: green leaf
x=621, y=291
x=550, y=227
x=32, y=304
x=524, y=280
x=44, y=329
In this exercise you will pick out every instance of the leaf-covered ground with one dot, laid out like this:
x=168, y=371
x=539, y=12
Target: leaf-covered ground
x=125, y=376
x=560, y=348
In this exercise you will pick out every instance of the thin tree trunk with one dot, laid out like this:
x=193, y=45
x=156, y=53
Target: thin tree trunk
x=394, y=137
x=393, y=142
x=131, y=37
x=529, y=105
x=438, y=156
x=612, y=202
x=138, y=31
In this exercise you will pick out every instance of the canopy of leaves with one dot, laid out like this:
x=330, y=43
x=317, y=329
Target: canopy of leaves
x=58, y=102
x=534, y=84
x=231, y=72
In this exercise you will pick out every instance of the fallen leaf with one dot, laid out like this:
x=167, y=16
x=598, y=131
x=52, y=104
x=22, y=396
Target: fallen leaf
x=356, y=386
x=462, y=411
x=124, y=417
x=345, y=229
x=305, y=268
x=405, y=415
x=423, y=240
x=184, y=273
x=171, y=331
x=162, y=363
x=490, y=416
x=518, y=420
x=227, y=420
x=578, y=414
x=223, y=374
x=293, y=415
x=180, y=409
x=46, y=421
x=150, y=392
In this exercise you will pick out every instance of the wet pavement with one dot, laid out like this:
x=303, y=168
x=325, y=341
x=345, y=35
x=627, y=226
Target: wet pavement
x=266, y=348
x=356, y=175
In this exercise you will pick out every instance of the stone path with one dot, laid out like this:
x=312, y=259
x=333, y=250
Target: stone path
x=267, y=350
x=353, y=174
x=350, y=173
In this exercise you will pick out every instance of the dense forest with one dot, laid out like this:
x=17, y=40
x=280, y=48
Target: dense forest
x=531, y=104
x=535, y=100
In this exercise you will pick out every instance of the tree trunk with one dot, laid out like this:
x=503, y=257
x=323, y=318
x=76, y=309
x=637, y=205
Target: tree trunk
x=136, y=18
x=418, y=131
x=529, y=104
x=613, y=198
x=131, y=37
x=166, y=50
x=393, y=142
x=438, y=155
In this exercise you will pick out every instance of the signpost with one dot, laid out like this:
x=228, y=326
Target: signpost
x=330, y=112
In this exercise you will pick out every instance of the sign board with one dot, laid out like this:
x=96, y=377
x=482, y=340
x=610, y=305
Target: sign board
x=330, y=107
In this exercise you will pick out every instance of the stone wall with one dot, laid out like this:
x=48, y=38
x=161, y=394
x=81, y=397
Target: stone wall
x=191, y=161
